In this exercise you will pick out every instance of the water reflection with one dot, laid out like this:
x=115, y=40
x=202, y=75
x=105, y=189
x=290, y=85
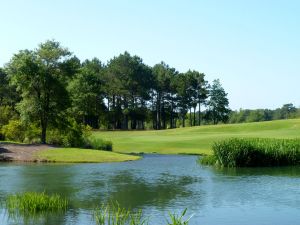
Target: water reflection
x=261, y=171
x=133, y=192
x=159, y=184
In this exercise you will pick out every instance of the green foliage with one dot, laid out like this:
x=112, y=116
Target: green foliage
x=72, y=135
x=41, y=77
x=114, y=214
x=287, y=111
x=32, y=203
x=87, y=92
x=207, y=160
x=176, y=219
x=218, y=103
x=257, y=152
x=99, y=144
x=7, y=113
x=14, y=131
x=17, y=131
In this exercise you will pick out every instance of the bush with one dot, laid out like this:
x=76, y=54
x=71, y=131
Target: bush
x=17, y=131
x=99, y=144
x=14, y=131
x=71, y=136
x=257, y=152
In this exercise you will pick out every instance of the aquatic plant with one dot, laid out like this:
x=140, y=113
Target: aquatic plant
x=207, y=160
x=176, y=219
x=114, y=214
x=257, y=152
x=32, y=202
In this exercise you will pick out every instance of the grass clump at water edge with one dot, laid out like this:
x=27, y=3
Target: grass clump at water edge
x=32, y=203
x=176, y=219
x=251, y=152
x=113, y=214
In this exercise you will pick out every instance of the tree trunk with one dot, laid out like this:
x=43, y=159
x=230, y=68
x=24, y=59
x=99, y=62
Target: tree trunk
x=114, y=112
x=194, y=116
x=199, y=114
x=158, y=124
x=44, y=131
x=171, y=116
x=191, y=122
x=163, y=114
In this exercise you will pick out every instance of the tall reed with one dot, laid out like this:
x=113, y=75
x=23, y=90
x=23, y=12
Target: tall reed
x=176, y=219
x=114, y=214
x=31, y=203
x=249, y=152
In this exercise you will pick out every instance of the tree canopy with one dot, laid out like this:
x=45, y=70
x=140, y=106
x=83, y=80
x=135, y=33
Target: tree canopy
x=49, y=87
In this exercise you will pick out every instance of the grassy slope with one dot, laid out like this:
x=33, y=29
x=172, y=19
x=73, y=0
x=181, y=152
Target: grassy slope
x=196, y=140
x=75, y=155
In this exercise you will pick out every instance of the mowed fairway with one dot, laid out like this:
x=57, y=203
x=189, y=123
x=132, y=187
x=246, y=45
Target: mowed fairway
x=195, y=140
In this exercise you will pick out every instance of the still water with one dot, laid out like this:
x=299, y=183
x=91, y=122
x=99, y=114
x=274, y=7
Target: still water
x=158, y=185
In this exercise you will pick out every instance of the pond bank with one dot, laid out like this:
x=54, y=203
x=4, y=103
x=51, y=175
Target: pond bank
x=11, y=152
x=20, y=152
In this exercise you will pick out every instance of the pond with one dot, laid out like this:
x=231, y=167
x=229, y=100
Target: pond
x=159, y=184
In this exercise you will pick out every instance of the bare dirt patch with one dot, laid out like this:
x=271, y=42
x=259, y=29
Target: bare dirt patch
x=20, y=152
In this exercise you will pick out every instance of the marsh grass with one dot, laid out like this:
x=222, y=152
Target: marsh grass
x=207, y=160
x=249, y=152
x=176, y=219
x=31, y=203
x=114, y=214
x=99, y=144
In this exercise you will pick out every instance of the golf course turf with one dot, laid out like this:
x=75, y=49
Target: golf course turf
x=196, y=140
x=75, y=155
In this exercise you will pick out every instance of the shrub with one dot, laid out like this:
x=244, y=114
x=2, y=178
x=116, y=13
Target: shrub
x=7, y=113
x=257, y=152
x=17, y=131
x=99, y=144
x=70, y=136
x=14, y=131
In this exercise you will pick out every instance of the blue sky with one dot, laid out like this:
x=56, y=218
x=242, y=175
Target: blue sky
x=253, y=46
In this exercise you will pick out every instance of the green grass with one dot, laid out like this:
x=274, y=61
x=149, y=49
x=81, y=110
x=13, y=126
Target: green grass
x=76, y=155
x=196, y=140
x=114, y=214
x=255, y=152
x=176, y=219
x=32, y=203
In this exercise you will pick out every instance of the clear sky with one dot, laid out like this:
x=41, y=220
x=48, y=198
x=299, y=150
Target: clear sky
x=253, y=46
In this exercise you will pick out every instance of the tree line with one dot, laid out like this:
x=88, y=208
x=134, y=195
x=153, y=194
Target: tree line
x=287, y=111
x=49, y=86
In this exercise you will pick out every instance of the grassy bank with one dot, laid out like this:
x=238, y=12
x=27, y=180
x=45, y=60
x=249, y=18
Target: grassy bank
x=75, y=155
x=196, y=140
x=250, y=152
